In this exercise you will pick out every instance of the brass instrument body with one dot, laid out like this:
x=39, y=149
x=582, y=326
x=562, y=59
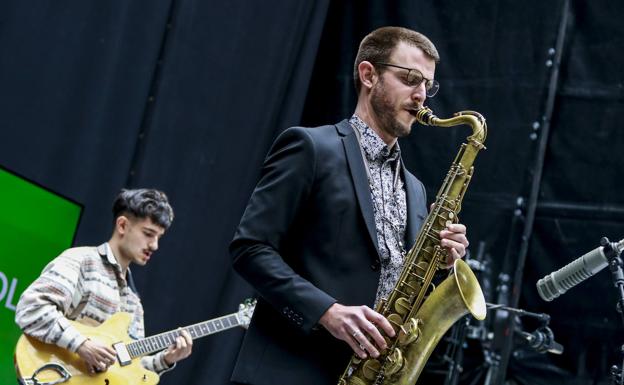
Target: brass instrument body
x=419, y=312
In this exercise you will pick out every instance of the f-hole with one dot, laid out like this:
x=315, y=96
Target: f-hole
x=106, y=382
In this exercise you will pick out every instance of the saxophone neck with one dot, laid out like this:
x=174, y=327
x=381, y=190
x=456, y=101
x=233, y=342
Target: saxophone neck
x=475, y=120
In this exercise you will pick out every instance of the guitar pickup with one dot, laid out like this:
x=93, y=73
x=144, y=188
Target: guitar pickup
x=122, y=354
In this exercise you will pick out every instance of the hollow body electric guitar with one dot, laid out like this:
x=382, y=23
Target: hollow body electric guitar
x=38, y=363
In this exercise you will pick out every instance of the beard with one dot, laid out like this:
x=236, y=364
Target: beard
x=385, y=111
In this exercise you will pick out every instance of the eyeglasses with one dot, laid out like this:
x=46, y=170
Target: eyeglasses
x=414, y=77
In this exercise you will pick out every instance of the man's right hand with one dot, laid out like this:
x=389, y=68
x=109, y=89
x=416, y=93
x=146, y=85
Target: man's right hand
x=97, y=356
x=357, y=326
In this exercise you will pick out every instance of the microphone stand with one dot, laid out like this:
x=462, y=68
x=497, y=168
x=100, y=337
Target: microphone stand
x=455, y=351
x=541, y=340
x=612, y=253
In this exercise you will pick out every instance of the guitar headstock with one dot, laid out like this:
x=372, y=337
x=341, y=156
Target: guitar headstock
x=245, y=311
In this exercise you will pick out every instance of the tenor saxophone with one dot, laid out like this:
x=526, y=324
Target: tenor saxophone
x=419, y=311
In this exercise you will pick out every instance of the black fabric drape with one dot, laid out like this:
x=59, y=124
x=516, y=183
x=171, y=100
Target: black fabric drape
x=235, y=74
x=74, y=79
x=187, y=96
x=494, y=59
x=183, y=96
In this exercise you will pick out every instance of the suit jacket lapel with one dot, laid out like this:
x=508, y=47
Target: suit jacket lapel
x=360, y=178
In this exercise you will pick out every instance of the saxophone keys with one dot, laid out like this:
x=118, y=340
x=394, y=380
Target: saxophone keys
x=353, y=381
x=370, y=369
x=394, y=362
x=410, y=331
x=395, y=320
x=402, y=306
x=412, y=286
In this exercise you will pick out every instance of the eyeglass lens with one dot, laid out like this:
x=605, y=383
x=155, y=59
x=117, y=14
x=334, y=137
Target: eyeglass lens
x=414, y=78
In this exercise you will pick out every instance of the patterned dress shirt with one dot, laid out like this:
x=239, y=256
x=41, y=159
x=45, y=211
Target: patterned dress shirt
x=84, y=284
x=389, y=203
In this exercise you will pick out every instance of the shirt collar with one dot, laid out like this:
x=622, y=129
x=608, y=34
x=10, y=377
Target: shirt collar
x=374, y=147
x=110, y=257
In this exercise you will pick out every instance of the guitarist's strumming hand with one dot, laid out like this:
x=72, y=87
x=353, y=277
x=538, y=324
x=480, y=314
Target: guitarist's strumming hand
x=182, y=348
x=97, y=356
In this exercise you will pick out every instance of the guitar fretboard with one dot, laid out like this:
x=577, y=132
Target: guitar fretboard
x=161, y=341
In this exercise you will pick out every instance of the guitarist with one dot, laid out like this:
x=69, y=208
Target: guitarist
x=89, y=284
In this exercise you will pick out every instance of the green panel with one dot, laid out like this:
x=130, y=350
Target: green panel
x=37, y=225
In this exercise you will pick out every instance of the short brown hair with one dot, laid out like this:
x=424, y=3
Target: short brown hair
x=378, y=45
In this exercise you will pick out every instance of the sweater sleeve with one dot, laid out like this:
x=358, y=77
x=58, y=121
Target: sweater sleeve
x=41, y=309
x=156, y=363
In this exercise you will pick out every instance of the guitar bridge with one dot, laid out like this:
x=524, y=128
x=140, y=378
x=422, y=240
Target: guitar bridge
x=122, y=354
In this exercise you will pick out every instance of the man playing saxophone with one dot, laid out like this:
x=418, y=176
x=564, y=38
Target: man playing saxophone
x=326, y=229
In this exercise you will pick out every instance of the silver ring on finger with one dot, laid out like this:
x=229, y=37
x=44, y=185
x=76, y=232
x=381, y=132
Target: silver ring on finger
x=362, y=347
x=355, y=334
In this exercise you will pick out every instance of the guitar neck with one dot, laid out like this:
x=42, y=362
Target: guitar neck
x=161, y=341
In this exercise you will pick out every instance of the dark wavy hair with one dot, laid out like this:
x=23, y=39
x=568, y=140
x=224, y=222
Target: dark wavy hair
x=144, y=203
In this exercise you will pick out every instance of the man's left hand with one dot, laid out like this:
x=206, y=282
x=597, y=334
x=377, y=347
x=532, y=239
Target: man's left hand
x=453, y=239
x=182, y=348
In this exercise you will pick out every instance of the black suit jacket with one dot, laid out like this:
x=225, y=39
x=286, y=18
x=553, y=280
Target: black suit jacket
x=307, y=239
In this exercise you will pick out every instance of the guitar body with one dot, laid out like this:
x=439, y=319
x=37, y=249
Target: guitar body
x=31, y=354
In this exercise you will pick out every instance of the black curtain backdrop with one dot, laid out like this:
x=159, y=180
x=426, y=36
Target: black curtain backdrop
x=75, y=79
x=234, y=75
x=495, y=60
x=187, y=96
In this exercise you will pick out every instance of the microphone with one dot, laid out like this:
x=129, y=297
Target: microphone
x=560, y=281
x=542, y=340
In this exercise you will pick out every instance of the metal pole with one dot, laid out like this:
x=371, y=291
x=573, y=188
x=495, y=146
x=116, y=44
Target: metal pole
x=525, y=214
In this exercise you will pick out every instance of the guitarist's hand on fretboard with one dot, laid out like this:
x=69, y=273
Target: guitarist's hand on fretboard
x=93, y=357
x=182, y=348
x=98, y=357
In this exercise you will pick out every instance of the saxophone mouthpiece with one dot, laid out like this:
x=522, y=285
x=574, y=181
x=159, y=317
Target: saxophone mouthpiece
x=425, y=116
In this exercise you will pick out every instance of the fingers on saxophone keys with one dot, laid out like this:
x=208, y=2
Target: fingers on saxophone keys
x=367, y=346
x=362, y=346
x=374, y=336
x=357, y=347
x=354, y=342
x=375, y=318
